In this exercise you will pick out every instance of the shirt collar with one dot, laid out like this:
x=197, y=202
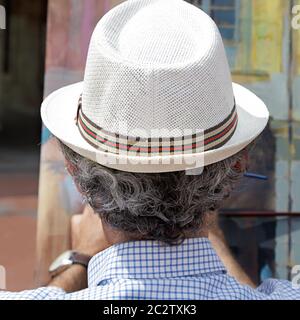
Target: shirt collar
x=152, y=259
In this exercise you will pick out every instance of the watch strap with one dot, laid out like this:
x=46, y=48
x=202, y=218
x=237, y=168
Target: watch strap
x=80, y=258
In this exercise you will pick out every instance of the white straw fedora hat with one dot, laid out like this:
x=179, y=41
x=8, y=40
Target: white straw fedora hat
x=157, y=95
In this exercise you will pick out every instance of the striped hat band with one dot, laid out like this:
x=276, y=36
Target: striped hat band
x=198, y=141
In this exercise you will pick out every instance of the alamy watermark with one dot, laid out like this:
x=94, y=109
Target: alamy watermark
x=183, y=148
x=2, y=278
x=296, y=17
x=296, y=277
x=2, y=18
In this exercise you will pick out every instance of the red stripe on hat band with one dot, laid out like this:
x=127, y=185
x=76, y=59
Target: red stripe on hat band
x=98, y=137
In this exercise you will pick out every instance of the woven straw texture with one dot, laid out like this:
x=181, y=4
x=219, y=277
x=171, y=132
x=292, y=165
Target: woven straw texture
x=157, y=66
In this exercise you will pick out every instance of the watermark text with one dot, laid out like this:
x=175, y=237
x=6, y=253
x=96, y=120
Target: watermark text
x=2, y=18
x=2, y=278
x=296, y=277
x=296, y=17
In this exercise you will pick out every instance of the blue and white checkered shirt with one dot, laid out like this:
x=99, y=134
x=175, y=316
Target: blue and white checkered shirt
x=149, y=270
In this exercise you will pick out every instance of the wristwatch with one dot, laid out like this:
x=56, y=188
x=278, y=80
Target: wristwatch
x=67, y=259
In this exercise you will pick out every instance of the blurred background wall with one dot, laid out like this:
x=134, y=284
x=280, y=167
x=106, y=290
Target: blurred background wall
x=22, y=60
x=263, y=51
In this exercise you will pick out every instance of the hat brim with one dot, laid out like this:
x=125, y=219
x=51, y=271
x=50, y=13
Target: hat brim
x=60, y=108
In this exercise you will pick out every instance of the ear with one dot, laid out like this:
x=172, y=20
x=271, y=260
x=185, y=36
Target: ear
x=72, y=171
x=241, y=165
x=70, y=168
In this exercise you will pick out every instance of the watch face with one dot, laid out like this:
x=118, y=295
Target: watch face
x=64, y=260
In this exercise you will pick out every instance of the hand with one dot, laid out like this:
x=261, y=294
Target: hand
x=88, y=236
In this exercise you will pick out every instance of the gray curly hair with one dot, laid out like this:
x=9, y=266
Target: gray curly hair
x=160, y=206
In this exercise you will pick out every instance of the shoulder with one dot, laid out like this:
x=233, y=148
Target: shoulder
x=44, y=293
x=280, y=289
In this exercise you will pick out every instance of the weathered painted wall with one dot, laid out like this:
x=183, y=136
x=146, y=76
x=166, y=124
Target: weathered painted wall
x=267, y=61
x=295, y=152
x=261, y=38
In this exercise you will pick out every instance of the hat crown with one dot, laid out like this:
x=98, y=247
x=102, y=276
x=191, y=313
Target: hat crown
x=156, y=66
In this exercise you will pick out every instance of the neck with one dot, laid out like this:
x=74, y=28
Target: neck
x=114, y=236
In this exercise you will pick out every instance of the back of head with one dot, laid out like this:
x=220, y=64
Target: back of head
x=166, y=207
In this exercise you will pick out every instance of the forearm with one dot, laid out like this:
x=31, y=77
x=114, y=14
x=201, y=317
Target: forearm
x=217, y=238
x=232, y=266
x=88, y=238
x=71, y=280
